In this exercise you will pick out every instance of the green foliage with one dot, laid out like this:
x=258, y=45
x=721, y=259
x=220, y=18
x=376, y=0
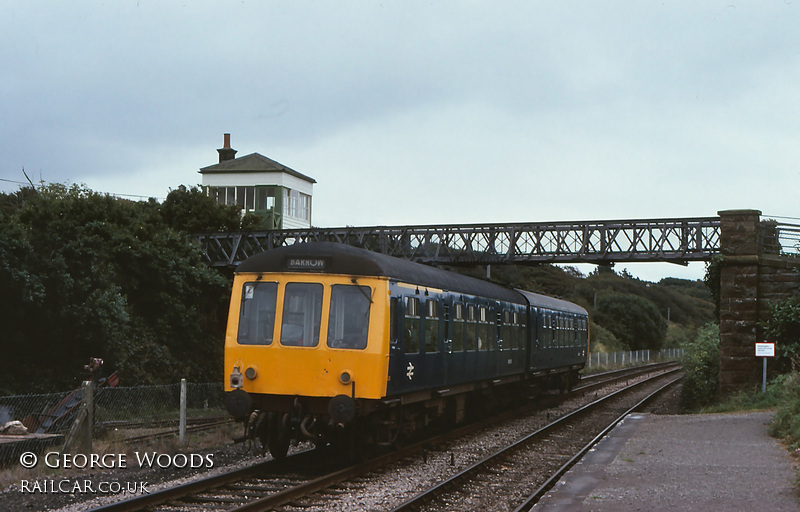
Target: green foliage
x=679, y=335
x=701, y=366
x=750, y=399
x=88, y=275
x=190, y=210
x=786, y=422
x=633, y=320
x=603, y=340
x=783, y=328
x=713, y=281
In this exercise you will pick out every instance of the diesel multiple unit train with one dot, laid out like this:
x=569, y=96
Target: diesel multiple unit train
x=332, y=343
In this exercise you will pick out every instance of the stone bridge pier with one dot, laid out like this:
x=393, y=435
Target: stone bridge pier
x=752, y=275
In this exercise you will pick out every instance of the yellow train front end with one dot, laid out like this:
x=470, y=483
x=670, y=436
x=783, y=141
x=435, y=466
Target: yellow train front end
x=305, y=350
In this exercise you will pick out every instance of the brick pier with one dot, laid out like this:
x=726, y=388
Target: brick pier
x=750, y=278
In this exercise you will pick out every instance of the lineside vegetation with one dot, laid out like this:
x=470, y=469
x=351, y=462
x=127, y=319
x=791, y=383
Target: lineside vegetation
x=85, y=274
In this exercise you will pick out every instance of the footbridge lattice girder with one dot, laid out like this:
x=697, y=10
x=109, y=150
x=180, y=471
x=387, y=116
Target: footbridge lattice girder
x=599, y=242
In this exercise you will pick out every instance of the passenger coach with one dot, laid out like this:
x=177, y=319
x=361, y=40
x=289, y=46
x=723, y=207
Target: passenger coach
x=328, y=342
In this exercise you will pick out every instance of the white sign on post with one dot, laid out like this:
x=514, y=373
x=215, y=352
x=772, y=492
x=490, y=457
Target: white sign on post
x=765, y=350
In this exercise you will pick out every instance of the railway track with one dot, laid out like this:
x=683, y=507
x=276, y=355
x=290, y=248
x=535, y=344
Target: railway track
x=297, y=481
x=518, y=466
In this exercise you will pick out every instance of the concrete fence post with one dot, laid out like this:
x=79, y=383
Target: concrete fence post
x=182, y=424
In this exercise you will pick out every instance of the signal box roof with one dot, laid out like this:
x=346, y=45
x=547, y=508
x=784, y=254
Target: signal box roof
x=253, y=162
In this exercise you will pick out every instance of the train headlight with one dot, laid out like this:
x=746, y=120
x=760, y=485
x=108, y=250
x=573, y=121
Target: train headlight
x=236, y=378
x=345, y=377
x=251, y=373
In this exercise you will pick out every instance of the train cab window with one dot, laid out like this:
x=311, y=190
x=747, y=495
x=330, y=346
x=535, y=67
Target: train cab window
x=302, y=310
x=257, y=313
x=411, y=334
x=348, y=322
x=431, y=325
x=458, y=327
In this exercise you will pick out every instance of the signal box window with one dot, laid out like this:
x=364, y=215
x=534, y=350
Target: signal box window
x=302, y=310
x=348, y=322
x=257, y=313
x=412, y=325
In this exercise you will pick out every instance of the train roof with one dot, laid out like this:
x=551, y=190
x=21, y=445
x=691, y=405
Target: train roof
x=543, y=301
x=335, y=258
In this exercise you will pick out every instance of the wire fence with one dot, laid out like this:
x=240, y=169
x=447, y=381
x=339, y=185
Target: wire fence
x=631, y=357
x=54, y=413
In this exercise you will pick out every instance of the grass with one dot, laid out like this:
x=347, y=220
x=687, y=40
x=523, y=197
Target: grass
x=782, y=395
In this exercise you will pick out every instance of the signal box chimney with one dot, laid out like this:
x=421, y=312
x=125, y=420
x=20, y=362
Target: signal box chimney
x=226, y=152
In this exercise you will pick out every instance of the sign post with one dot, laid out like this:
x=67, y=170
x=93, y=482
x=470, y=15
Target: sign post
x=765, y=350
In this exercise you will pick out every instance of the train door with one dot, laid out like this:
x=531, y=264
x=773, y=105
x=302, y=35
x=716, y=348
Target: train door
x=432, y=347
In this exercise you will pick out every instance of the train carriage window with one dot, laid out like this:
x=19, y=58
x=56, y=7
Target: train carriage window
x=519, y=328
x=302, y=310
x=458, y=327
x=492, y=320
x=483, y=329
x=257, y=313
x=470, y=334
x=431, y=325
x=506, y=330
x=411, y=326
x=348, y=322
x=545, y=337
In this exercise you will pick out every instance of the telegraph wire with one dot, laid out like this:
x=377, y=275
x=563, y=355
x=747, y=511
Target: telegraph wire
x=114, y=194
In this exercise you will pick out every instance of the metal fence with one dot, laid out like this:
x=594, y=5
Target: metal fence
x=780, y=238
x=54, y=413
x=632, y=357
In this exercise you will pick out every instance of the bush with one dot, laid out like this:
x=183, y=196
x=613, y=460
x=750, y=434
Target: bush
x=783, y=328
x=604, y=340
x=701, y=367
x=786, y=422
x=634, y=321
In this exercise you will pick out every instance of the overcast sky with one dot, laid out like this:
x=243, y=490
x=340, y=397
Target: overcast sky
x=412, y=112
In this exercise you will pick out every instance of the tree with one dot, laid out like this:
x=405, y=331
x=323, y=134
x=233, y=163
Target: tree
x=89, y=275
x=190, y=210
x=783, y=328
x=633, y=320
x=701, y=367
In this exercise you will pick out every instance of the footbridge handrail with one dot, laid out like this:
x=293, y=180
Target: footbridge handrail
x=601, y=242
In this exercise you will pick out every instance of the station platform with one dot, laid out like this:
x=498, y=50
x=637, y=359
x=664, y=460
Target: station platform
x=657, y=463
x=11, y=447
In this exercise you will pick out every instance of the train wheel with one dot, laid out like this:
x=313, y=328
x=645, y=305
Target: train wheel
x=279, y=437
x=261, y=430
